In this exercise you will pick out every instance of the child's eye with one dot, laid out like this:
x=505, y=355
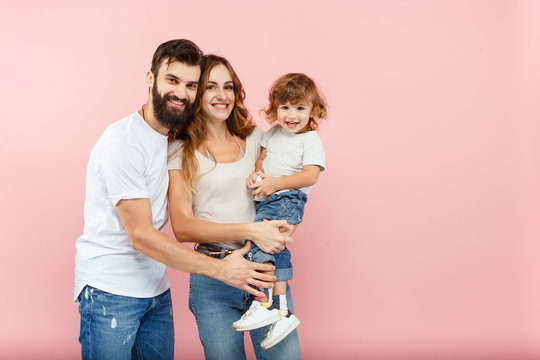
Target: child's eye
x=284, y=107
x=301, y=108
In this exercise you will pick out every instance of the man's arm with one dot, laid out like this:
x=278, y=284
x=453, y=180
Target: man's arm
x=188, y=228
x=136, y=215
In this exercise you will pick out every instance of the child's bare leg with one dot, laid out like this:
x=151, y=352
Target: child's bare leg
x=266, y=298
x=280, y=288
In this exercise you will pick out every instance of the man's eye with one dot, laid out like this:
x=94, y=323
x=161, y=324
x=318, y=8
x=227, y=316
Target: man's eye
x=192, y=86
x=171, y=80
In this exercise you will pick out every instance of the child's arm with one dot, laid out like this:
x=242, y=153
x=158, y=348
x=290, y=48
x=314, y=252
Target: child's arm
x=252, y=179
x=269, y=185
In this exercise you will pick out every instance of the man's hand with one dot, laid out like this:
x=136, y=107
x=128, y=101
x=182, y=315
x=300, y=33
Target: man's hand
x=241, y=273
x=271, y=236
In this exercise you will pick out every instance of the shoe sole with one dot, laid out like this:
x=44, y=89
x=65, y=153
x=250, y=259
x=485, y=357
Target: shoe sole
x=277, y=340
x=268, y=321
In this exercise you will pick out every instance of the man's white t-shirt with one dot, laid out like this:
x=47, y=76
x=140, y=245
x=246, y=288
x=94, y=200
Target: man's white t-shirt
x=287, y=153
x=129, y=161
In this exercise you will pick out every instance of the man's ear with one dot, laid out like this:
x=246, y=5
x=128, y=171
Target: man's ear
x=149, y=79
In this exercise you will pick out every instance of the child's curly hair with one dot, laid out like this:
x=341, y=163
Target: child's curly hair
x=293, y=88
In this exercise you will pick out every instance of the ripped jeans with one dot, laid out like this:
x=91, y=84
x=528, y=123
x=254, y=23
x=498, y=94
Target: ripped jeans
x=122, y=327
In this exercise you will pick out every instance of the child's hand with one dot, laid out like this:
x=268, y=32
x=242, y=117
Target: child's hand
x=267, y=186
x=251, y=179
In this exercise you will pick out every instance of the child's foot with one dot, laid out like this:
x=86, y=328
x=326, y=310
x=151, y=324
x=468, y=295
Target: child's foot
x=279, y=330
x=257, y=316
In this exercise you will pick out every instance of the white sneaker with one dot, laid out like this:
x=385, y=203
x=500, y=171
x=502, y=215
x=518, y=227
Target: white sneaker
x=257, y=316
x=279, y=330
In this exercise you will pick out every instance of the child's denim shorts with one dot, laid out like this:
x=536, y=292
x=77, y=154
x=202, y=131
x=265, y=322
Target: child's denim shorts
x=281, y=260
x=287, y=205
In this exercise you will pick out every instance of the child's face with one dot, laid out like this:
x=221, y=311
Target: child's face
x=294, y=117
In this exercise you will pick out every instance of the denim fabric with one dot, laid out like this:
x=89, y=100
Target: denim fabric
x=216, y=306
x=281, y=260
x=121, y=327
x=287, y=205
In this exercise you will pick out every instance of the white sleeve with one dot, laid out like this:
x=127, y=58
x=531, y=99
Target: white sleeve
x=122, y=168
x=313, y=151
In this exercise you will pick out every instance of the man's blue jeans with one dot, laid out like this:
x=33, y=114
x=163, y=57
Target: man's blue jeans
x=121, y=327
x=216, y=306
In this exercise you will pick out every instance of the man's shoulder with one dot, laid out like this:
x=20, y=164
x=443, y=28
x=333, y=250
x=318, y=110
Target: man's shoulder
x=123, y=126
x=119, y=134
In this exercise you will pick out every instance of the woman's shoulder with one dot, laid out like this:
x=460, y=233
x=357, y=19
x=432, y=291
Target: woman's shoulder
x=256, y=135
x=174, y=155
x=257, y=132
x=174, y=146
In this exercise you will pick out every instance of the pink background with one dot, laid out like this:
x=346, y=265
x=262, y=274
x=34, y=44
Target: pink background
x=420, y=241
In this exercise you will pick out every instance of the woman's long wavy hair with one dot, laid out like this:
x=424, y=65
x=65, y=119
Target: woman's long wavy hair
x=239, y=123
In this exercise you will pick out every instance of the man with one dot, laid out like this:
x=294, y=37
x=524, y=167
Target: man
x=120, y=271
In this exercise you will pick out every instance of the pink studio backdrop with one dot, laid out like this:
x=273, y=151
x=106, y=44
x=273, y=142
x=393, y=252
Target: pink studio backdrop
x=420, y=241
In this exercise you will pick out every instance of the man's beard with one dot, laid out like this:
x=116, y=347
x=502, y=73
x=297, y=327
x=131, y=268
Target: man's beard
x=170, y=118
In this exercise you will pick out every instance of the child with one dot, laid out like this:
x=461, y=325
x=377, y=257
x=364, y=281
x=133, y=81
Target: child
x=291, y=160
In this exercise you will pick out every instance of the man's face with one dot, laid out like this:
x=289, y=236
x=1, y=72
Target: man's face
x=173, y=93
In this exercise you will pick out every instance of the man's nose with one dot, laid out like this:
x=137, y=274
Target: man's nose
x=180, y=91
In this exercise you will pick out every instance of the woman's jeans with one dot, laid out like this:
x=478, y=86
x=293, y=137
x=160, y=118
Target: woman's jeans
x=122, y=327
x=216, y=306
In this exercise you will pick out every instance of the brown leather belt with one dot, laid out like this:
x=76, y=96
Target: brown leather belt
x=214, y=252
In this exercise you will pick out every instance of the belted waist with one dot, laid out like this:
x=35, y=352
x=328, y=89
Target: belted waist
x=213, y=251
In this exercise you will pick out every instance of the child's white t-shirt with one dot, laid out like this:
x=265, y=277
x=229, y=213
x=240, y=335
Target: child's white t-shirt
x=129, y=161
x=288, y=153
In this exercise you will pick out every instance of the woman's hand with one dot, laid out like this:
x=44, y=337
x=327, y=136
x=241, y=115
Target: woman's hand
x=266, y=186
x=271, y=236
x=241, y=273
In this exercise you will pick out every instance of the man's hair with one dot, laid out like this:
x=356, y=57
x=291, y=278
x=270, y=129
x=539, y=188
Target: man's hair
x=181, y=50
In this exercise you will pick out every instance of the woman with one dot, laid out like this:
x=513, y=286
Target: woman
x=208, y=165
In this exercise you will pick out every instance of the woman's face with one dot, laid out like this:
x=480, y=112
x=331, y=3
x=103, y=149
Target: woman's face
x=218, y=97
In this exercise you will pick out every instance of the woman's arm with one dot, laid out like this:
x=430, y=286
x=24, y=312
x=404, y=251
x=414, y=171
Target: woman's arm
x=188, y=228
